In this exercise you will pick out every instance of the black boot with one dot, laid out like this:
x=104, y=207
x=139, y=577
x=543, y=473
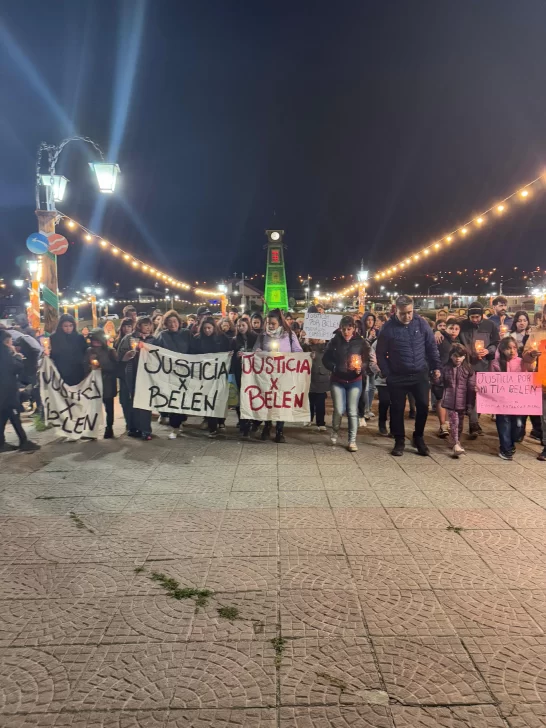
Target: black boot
x=383, y=429
x=398, y=449
x=542, y=456
x=420, y=445
x=266, y=432
x=279, y=436
x=108, y=433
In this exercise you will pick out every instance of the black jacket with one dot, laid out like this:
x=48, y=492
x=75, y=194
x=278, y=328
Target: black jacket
x=320, y=376
x=214, y=344
x=241, y=343
x=338, y=354
x=485, y=331
x=444, y=347
x=128, y=369
x=179, y=341
x=108, y=362
x=11, y=366
x=68, y=355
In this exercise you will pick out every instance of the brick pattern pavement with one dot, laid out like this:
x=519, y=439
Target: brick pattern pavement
x=357, y=591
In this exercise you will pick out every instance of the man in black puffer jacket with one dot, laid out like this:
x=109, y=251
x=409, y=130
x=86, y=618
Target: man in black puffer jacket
x=406, y=354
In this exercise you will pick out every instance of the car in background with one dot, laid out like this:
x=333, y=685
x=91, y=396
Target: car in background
x=112, y=317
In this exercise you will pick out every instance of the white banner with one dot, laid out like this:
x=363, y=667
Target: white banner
x=77, y=410
x=275, y=387
x=184, y=384
x=321, y=325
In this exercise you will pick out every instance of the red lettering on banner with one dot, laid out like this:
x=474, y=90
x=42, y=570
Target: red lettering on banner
x=291, y=368
x=274, y=383
x=298, y=401
x=305, y=367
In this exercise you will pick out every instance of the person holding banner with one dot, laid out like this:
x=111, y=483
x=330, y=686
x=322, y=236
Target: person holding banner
x=210, y=340
x=174, y=338
x=100, y=356
x=68, y=350
x=11, y=364
x=346, y=357
x=242, y=343
x=140, y=421
x=277, y=337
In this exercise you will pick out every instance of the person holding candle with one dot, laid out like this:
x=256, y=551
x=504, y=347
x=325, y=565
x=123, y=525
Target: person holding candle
x=139, y=423
x=347, y=357
x=101, y=356
x=68, y=349
x=407, y=354
x=242, y=343
x=481, y=337
x=520, y=329
x=277, y=337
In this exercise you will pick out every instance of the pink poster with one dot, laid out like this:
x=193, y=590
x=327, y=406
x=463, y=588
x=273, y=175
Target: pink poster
x=508, y=393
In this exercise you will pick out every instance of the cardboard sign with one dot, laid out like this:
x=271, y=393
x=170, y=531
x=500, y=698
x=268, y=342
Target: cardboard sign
x=182, y=383
x=275, y=387
x=321, y=325
x=77, y=411
x=508, y=393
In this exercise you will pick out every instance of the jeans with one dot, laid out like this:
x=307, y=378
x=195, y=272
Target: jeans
x=509, y=429
x=125, y=401
x=317, y=406
x=363, y=399
x=370, y=391
x=384, y=404
x=109, y=408
x=399, y=387
x=345, y=397
x=10, y=414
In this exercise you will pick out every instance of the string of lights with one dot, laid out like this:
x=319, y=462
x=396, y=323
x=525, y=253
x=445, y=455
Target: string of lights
x=122, y=255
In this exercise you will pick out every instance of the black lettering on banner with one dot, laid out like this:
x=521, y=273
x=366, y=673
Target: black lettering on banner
x=155, y=392
x=210, y=404
x=159, y=363
x=91, y=392
x=173, y=398
x=196, y=402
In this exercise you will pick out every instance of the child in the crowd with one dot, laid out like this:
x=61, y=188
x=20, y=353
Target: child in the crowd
x=11, y=363
x=509, y=426
x=320, y=383
x=100, y=355
x=459, y=382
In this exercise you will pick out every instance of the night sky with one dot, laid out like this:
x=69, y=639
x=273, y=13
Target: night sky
x=364, y=129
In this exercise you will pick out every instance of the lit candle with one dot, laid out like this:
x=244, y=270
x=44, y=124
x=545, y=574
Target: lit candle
x=274, y=346
x=503, y=330
x=479, y=346
x=134, y=344
x=355, y=362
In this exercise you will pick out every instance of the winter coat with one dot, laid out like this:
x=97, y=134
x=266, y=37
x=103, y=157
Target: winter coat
x=404, y=349
x=241, y=343
x=108, y=362
x=11, y=365
x=288, y=342
x=68, y=352
x=370, y=334
x=31, y=349
x=338, y=355
x=459, y=388
x=444, y=347
x=508, y=320
x=485, y=331
x=320, y=376
x=128, y=369
x=518, y=364
x=178, y=341
x=214, y=344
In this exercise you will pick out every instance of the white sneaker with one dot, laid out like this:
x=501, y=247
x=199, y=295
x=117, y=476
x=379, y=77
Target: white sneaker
x=458, y=450
x=333, y=438
x=369, y=415
x=322, y=428
x=362, y=422
x=351, y=447
x=172, y=435
x=307, y=424
x=204, y=425
x=181, y=430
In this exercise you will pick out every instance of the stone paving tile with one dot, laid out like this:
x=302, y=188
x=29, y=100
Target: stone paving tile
x=530, y=715
x=375, y=572
x=119, y=719
x=414, y=518
x=35, y=623
x=500, y=543
x=226, y=675
x=258, y=519
x=367, y=518
x=203, y=501
x=137, y=525
x=329, y=672
x=376, y=542
x=451, y=498
x=191, y=572
x=303, y=499
x=536, y=537
x=255, y=484
x=514, y=669
x=393, y=612
x=456, y=571
x=105, y=549
x=353, y=499
x=403, y=498
x=505, y=499
x=347, y=482
x=296, y=484
x=429, y=670
x=315, y=572
x=250, y=499
x=362, y=716
x=256, y=620
x=157, y=618
x=467, y=518
x=306, y=518
x=534, y=602
x=180, y=543
x=313, y=541
x=192, y=485
x=321, y=614
x=221, y=718
x=27, y=581
x=91, y=581
x=517, y=572
x=479, y=612
x=246, y=543
x=34, y=526
x=531, y=517
x=474, y=716
x=421, y=541
x=243, y=574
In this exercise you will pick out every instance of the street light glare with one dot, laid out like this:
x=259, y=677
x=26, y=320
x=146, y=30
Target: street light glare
x=107, y=175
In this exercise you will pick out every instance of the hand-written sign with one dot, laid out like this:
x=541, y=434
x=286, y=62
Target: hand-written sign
x=321, y=325
x=275, y=387
x=183, y=383
x=508, y=393
x=76, y=410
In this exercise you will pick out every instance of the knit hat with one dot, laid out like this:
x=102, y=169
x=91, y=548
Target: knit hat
x=203, y=311
x=97, y=335
x=474, y=309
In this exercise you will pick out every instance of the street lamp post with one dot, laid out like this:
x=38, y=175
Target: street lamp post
x=362, y=277
x=50, y=188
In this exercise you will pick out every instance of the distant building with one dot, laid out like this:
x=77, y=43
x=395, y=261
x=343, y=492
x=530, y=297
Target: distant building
x=236, y=290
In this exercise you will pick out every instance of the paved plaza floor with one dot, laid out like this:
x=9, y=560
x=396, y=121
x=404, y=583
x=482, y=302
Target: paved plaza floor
x=214, y=584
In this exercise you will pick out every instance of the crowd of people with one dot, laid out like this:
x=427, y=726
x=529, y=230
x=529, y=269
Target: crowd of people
x=401, y=357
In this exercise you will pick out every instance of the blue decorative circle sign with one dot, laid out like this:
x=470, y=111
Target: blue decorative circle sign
x=37, y=243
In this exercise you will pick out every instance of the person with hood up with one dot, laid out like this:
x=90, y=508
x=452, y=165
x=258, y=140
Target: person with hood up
x=139, y=422
x=210, y=340
x=242, y=343
x=481, y=338
x=68, y=350
x=278, y=338
x=101, y=356
x=347, y=356
x=174, y=338
x=11, y=363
